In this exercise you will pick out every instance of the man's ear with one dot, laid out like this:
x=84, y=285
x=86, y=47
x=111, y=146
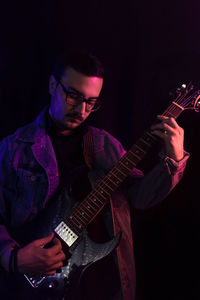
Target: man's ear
x=52, y=85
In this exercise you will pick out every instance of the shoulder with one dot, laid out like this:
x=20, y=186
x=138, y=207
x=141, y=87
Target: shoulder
x=107, y=142
x=29, y=132
x=10, y=143
x=25, y=132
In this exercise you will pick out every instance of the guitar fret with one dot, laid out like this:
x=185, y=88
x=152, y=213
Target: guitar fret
x=108, y=185
x=118, y=180
x=126, y=166
x=77, y=219
x=80, y=219
x=84, y=223
x=74, y=222
x=178, y=106
x=101, y=194
x=90, y=207
x=128, y=159
x=83, y=215
x=134, y=155
x=79, y=224
x=103, y=191
x=110, y=181
x=94, y=199
x=94, y=213
x=143, y=140
x=120, y=171
x=169, y=114
x=80, y=227
x=123, y=169
x=87, y=212
x=151, y=136
x=144, y=145
x=118, y=175
x=139, y=150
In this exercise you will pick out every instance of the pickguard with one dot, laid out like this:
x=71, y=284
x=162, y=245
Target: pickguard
x=85, y=253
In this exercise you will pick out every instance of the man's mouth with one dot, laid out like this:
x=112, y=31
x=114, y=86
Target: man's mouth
x=75, y=118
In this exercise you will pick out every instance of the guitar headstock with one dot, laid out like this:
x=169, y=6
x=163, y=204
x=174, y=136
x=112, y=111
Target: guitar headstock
x=188, y=97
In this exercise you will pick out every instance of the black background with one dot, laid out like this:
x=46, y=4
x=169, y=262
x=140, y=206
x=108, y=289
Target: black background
x=148, y=48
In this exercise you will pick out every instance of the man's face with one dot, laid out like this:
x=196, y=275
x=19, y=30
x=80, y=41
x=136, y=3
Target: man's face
x=69, y=117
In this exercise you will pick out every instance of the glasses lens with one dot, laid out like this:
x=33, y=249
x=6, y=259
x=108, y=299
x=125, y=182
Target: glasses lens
x=96, y=105
x=91, y=105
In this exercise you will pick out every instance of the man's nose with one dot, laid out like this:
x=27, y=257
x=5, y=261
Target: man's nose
x=80, y=108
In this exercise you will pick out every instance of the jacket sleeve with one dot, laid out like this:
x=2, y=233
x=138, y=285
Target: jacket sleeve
x=156, y=184
x=142, y=191
x=6, y=192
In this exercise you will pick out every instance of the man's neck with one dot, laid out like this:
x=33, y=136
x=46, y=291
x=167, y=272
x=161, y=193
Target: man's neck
x=59, y=128
x=62, y=131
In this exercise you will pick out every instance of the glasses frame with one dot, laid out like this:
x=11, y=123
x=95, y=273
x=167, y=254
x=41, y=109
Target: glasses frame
x=81, y=97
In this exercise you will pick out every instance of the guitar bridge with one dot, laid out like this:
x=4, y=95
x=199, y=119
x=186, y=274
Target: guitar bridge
x=66, y=234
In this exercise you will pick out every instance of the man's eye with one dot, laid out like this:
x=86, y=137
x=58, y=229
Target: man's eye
x=91, y=102
x=74, y=96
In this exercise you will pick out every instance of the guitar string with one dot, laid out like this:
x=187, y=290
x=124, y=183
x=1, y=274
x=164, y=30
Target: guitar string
x=95, y=193
x=77, y=217
x=186, y=100
x=108, y=179
x=102, y=187
x=172, y=109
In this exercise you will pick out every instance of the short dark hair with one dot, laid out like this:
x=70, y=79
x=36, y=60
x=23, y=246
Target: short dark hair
x=83, y=62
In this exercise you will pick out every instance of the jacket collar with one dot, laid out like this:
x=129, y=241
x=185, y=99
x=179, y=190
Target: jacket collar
x=33, y=132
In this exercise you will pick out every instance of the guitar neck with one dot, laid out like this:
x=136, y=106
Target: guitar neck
x=98, y=198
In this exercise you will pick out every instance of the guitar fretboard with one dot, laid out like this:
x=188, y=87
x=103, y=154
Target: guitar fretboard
x=86, y=211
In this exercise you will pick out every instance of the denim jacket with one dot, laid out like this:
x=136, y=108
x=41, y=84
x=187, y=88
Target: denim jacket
x=29, y=177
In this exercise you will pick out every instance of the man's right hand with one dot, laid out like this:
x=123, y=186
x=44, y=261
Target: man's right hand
x=34, y=258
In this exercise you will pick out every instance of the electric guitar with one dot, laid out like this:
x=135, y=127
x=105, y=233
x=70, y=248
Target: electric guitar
x=73, y=230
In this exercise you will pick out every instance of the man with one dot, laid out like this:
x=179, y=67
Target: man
x=50, y=165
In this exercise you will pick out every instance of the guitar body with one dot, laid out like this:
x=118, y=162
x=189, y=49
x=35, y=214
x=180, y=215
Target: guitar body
x=68, y=281
x=85, y=253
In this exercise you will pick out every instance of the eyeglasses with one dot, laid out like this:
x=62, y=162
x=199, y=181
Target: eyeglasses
x=73, y=98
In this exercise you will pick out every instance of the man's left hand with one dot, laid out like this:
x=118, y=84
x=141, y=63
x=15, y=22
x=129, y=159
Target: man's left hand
x=172, y=135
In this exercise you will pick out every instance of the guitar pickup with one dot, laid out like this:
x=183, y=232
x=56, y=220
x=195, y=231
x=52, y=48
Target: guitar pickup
x=66, y=234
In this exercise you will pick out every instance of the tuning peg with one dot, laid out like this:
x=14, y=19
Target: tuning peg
x=197, y=107
x=191, y=87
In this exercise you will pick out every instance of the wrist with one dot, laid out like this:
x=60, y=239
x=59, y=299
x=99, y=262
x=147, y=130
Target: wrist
x=178, y=157
x=5, y=258
x=175, y=155
x=13, y=265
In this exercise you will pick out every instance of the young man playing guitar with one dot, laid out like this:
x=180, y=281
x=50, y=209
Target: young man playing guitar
x=48, y=167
